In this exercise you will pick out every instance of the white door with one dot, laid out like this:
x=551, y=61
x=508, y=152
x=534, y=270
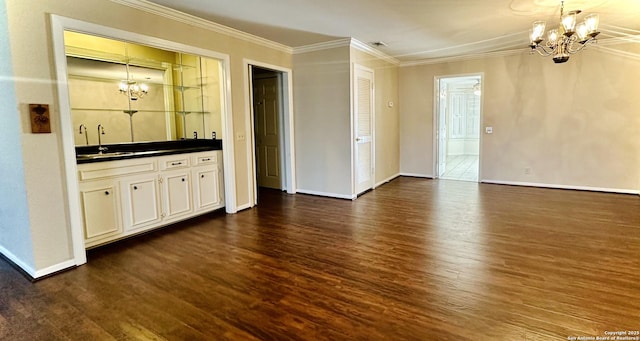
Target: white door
x=442, y=130
x=363, y=129
x=267, y=130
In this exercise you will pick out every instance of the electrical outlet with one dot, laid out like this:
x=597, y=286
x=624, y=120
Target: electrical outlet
x=527, y=170
x=240, y=136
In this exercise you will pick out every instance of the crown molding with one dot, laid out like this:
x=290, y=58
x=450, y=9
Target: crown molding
x=464, y=57
x=192, y=20
x=600, y=42
x=346, y=42
x=357, y=44
x=327, y=45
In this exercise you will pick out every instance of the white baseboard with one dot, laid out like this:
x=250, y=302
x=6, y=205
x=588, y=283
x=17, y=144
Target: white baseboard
x=55, y=268
x=577, y=188
x=393, y=177
x=325, y=194
x=416, y=175
x=242, y=207
x=17, y=261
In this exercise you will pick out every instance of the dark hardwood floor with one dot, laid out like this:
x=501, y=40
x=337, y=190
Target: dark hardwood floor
x=412, y=260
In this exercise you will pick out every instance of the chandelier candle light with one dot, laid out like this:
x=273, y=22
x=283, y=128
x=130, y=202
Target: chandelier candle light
x=568, y=38
x=134, y=91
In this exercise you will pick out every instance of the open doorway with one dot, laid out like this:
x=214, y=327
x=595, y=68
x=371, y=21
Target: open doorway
x=458, y=117
x=268, y=129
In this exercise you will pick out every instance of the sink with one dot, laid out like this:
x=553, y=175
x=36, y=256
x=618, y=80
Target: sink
x=102, y=155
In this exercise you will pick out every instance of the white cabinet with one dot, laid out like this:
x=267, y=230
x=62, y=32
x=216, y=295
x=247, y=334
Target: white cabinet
x=101, y=210
x=125, y=197
x=140, y=201
x=176, y=194
x=207, y=181
x=176, y=185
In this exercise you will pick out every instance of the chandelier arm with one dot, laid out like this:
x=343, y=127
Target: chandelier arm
x=571, y=50
x=542, y=51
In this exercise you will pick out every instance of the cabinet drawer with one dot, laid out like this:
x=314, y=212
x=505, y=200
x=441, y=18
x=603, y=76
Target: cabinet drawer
x=91, y=171
x=174, y=162
x=205, y=159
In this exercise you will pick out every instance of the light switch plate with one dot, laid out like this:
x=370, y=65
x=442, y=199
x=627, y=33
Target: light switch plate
x=488, y=130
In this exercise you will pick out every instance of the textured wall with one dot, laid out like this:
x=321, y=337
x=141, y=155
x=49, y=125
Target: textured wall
x=15, y=235
x=323, y=121
x=572, y=124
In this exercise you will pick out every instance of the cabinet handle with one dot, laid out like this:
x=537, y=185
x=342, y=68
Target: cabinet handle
x=135, y=188
x=176, y=163
x=182, y=179
x=202, y=176
x=207, y=159
x=106, y=192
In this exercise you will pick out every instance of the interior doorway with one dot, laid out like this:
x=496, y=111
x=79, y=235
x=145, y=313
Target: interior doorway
x=458, y=118
x=267, y=118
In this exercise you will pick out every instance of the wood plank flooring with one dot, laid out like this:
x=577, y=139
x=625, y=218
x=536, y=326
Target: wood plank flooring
x=412, y=260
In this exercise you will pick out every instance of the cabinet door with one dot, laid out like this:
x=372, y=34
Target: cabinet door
x=101, y=210
x=141, y=202
x=206, y=191
x=177, y=193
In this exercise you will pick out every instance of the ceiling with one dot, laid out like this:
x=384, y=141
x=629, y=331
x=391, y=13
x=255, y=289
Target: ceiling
x=413, y=30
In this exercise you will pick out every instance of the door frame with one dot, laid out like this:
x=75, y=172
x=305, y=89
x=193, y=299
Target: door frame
x=58, y=25
x=436, y=120
x=285, y=89
x=354, y=98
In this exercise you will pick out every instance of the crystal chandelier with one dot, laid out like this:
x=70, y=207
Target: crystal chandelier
x=131, y=88
x=568, y=38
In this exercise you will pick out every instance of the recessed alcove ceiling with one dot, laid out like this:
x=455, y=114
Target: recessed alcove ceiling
x=412, y=29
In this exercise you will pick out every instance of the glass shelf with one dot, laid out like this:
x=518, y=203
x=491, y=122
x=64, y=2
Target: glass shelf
x=126, y=110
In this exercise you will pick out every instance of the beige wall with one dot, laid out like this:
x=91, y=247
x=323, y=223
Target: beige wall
x=15, y=236
x=322, y=107
x=573, y=124
x=387, y=138
x=33, y=67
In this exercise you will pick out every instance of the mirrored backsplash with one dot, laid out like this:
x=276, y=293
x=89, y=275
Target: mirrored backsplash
x=137, y=93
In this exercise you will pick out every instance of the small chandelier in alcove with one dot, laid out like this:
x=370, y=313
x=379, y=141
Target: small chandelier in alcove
x=568, y=38
x=132, y=89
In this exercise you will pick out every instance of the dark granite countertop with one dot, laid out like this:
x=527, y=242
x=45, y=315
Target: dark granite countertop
x=122, y=151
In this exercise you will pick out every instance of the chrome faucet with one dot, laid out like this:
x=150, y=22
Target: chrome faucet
x=86, y=136
x=100, y=132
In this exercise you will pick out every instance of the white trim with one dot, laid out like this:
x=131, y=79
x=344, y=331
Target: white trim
x=393, y=177
x=35, y=274
x=322, y=46
x=55, y=268
x=17, y=261
x=417, y=175
x=464, y=57
x=243, y=207
x=288, y=131
x=192, y=20
x=330, y=195
x=58, y=25
x=357, y=44
x=555, y=186
x=354, y=127
x=600, y=42
x=344, y=42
